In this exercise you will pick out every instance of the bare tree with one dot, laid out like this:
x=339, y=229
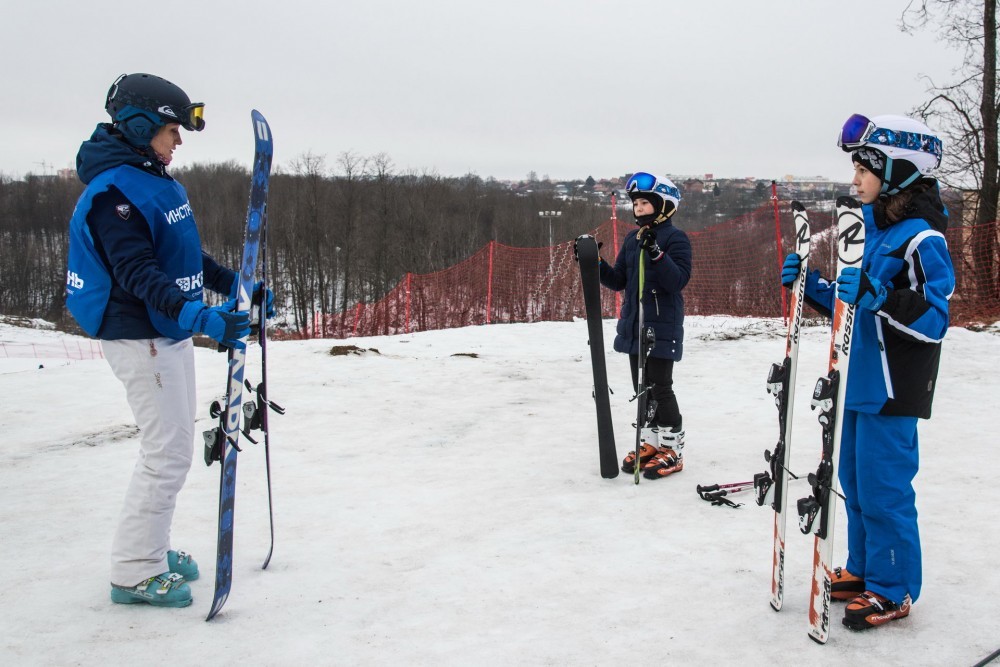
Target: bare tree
x=965, y=113
x=309, y=235
x=348, y=214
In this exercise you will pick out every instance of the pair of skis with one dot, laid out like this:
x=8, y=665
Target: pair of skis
x=587, y=254
x=222, y=442
x=817, y=511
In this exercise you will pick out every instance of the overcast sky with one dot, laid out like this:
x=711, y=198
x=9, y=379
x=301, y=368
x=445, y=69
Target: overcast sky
x=564, y=88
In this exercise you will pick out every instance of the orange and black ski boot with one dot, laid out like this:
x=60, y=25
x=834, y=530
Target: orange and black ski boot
x=665, y=462
x=870, y=610
x=646, y=453
x=845, y=586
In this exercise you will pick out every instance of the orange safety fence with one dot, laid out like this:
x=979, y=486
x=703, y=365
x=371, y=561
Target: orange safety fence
x=736, y=266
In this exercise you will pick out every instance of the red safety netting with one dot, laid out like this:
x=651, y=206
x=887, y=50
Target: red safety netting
x=735, y=272
x=63, y=349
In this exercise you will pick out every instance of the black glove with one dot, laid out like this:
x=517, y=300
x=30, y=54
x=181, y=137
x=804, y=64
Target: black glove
x=647, y=242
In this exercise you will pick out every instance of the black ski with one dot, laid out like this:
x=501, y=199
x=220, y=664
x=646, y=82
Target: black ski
x=222, y=442
x=587, y=254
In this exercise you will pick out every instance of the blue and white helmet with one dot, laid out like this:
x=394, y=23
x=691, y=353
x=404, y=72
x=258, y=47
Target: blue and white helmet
x=657, y=190
x=897, y=149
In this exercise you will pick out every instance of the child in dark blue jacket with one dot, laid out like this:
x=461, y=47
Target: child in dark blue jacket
x=901, y=292
x=666, y=253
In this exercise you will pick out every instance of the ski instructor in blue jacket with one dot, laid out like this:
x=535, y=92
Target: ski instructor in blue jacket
x=135, y=280
x=901, y=293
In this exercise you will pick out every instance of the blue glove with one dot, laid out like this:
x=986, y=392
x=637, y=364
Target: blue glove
x=219, y=322
x=269, y=300
x=648, y=243
x=857, y=287
x=790, y=269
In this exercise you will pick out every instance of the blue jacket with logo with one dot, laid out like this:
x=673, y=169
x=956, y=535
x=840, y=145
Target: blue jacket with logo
x=894, y=361
x=135, y=256
x=662, y=300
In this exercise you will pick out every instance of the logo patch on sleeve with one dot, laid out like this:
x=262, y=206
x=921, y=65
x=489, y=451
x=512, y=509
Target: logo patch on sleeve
x=124, y=211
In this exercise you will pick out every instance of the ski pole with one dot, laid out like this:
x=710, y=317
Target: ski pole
x=719, y=497
x=709, y=491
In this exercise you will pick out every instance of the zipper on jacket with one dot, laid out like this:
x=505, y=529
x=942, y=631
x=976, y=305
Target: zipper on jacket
x=884, y=358
x=656, y=302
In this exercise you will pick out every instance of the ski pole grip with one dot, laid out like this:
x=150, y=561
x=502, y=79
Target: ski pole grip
x=710, y=487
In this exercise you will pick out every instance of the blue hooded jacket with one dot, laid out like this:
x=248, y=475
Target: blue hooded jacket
x=894, y=362
x=135, y=256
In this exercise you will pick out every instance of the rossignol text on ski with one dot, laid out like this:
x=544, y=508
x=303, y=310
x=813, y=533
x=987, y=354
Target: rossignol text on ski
x=816, y=512
x=771, y=486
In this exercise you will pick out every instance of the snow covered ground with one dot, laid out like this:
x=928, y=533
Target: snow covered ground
x=438, y=502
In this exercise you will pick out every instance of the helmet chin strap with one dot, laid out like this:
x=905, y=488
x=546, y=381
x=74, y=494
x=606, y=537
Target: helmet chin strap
x=652, y=219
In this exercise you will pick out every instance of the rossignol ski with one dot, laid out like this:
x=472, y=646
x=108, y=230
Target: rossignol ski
x=590, y=276
x=222, y=442
x=817, y=511
x=646, y=406
x=772, y=486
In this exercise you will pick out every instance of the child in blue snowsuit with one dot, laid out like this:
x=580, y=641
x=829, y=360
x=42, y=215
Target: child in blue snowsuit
x=901, y=293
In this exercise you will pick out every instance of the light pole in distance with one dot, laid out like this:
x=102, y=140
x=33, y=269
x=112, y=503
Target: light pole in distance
x=549, y=215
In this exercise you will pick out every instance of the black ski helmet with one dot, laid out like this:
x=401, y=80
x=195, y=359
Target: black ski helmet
x=140, y=104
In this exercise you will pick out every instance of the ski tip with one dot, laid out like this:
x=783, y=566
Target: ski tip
x=817, y=639
x=610, y=474
x=262, y=133
x=798, y=207
x=847, y=202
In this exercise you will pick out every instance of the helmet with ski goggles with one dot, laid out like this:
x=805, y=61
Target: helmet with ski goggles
x=657, y=190
x=896, y=137
x=140, y=104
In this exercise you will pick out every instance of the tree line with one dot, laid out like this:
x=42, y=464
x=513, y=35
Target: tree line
x=336, y=236
x=347, y=234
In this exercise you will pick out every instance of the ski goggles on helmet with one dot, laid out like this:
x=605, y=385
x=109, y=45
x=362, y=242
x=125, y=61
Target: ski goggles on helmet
x=859, y=131
x=196, y=117
x=643, y=182
x=191, y=117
